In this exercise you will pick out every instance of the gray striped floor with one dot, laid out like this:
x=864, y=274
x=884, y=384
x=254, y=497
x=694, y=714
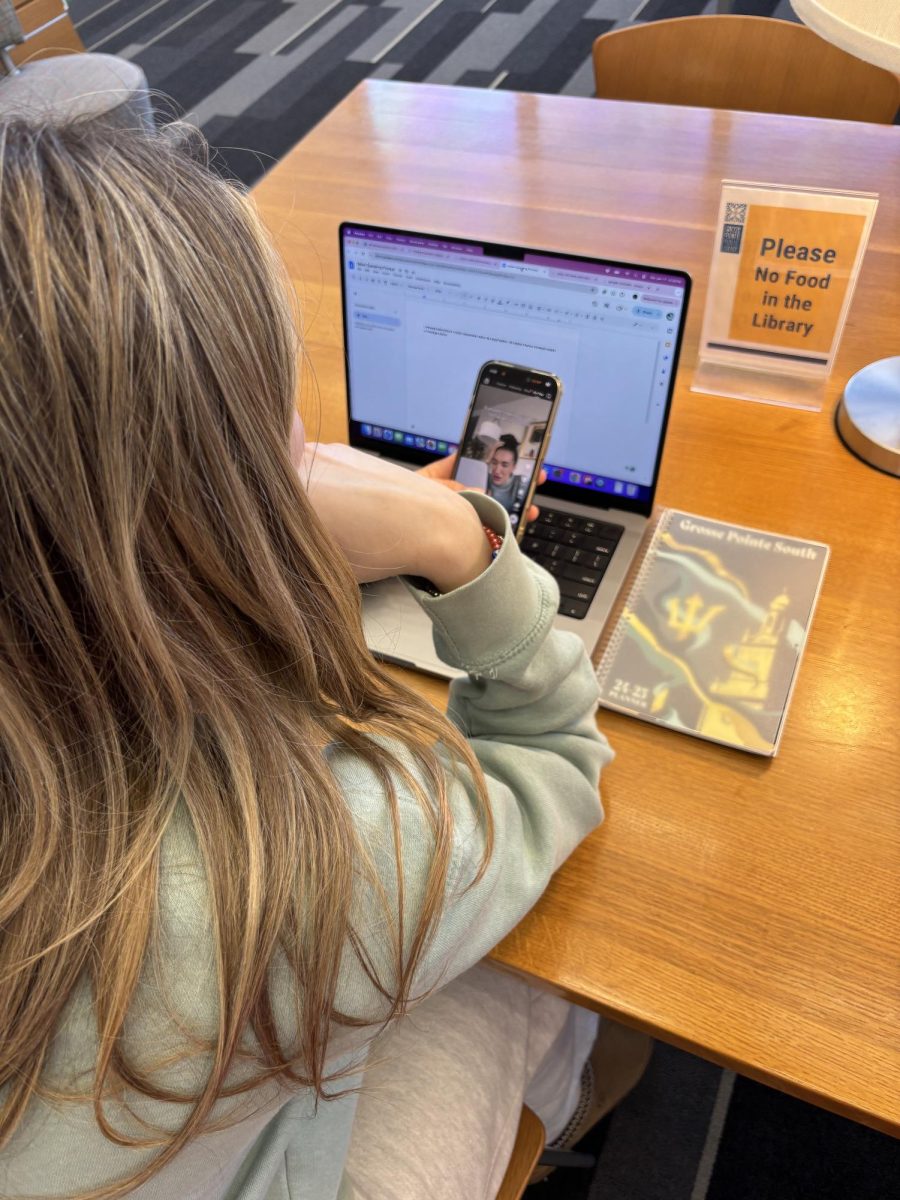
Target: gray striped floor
x=691, y=1131
x=257, y=74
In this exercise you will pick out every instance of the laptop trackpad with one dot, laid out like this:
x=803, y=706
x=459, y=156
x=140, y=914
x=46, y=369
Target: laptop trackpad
x=397, y=629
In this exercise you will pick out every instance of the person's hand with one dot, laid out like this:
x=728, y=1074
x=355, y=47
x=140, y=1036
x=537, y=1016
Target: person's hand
x=441, y=469
x=390, y=521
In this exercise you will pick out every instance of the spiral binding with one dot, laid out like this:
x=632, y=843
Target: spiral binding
x=609, y=654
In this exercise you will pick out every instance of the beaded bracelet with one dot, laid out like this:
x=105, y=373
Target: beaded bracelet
x=495, y=540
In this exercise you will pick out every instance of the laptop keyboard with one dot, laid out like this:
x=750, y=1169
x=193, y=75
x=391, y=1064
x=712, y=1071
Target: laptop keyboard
x=576, y=550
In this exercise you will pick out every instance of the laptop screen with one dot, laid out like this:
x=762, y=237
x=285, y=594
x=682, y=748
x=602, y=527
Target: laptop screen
x=423, y=313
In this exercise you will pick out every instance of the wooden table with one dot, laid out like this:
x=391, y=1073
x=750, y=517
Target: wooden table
x=744, y=909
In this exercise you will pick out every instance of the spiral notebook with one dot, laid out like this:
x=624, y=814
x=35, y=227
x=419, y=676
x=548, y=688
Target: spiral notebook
x=710, y=638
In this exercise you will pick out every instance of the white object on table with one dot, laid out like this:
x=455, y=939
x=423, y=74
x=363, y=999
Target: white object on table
x=869, y=29
x=868, y=416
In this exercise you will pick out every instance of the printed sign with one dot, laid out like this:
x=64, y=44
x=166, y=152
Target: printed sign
x=794, y=274
x=784, y=266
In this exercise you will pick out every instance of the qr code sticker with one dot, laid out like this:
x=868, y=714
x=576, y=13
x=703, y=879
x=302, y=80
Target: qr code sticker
x=735, y=214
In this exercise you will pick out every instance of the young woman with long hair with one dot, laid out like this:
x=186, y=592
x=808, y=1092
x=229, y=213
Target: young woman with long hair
x=234, y=851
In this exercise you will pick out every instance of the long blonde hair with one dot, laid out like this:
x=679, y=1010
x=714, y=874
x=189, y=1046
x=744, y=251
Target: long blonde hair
x=176, y=627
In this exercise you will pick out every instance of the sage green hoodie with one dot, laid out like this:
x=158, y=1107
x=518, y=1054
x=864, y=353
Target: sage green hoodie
x=527, y=707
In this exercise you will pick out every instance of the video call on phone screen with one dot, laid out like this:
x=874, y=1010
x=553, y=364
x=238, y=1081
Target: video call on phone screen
x=502, y=441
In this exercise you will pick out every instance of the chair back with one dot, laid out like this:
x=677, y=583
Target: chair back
x=37, y=29
x=526, y=1151
x=757, y=64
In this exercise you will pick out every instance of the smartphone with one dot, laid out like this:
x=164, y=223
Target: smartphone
x=506, y=435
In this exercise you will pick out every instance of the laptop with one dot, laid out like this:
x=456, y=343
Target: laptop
x=422, y=314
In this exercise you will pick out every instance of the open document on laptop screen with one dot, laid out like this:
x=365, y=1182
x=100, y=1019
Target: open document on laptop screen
x=423, y=314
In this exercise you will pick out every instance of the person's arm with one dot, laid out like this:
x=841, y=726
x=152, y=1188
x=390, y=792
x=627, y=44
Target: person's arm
x=527, y=707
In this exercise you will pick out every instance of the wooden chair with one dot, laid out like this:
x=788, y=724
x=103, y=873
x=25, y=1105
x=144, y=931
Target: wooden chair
x=752, y=63
x=48, y=31
x=527, y=1150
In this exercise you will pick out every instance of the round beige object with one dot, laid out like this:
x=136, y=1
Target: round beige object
x=870, y=29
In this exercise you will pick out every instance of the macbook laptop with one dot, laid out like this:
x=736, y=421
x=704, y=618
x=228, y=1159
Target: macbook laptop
x=423, y=313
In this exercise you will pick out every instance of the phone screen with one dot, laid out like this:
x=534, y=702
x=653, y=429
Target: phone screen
x=505, y=437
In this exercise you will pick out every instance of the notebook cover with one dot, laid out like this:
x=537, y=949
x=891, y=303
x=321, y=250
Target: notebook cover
x=710, y=638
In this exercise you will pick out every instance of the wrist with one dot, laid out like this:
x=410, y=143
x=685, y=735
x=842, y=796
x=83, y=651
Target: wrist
x=462, y=556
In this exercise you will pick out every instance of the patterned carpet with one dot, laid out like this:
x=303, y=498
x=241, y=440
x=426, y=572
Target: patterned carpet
x=691, y=1131
x=257, y=74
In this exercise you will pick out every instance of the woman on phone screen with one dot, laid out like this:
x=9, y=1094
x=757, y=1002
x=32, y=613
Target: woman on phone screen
x=234, y=851
x=504, y=485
